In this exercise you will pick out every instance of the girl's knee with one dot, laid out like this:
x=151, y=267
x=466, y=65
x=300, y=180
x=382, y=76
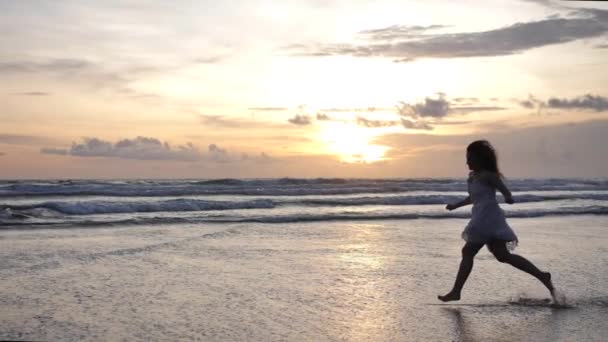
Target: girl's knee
x=501, y=256
x=468, y=252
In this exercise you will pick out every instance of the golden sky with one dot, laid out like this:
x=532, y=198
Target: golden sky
x=317, y=88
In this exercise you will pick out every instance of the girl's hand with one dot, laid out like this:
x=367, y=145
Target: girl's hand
x=451, y=207
x=509, y=199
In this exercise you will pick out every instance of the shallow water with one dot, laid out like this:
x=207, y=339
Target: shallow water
x=323, y=281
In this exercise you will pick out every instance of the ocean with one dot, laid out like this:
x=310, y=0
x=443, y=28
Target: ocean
x=293, y=259
x=47, y=204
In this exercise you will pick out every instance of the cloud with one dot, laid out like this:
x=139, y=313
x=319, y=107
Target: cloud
x=375, y=123
x=51, y=150
x=219, y=121
x=591, y=102
x=145, y=148
x=465, y=99
x=323, y=117
x=95, y=76
x=509, y=40
x=2, y=154
x=585, y=102
x=355, y=110
x=16, y=139
x=221, y=155
x=268, y=109
x=218, y=154
x=54, y=65
x=473, y=109
x=300, y=120
x=564, y=150
x=540, y=2
x=263, y=157
x=436, y=108
x=226, y=122
x=441, y=107
x=398, y=32
x=210, y=60
x=140, y=148
x=417, y=114
x=34, y=93
x=415, y=124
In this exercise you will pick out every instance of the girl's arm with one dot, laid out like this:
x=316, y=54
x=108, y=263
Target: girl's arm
x=497, y=182
x=462, y=203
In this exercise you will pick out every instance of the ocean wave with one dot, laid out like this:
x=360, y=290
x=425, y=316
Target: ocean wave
x=92, y=207
x=273, y=187
x=289, y=218
x=441, y=199
x=113, y=207
x=591, y=210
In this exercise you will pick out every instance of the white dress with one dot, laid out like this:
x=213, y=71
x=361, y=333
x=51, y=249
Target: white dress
x=488, y=219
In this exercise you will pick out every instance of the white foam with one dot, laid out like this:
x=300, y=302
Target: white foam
x=559, y=298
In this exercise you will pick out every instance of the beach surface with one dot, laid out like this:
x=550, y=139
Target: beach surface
x=361, y=280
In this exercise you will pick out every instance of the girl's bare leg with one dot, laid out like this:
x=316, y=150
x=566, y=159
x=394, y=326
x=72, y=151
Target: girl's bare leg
x=499, y=249
x=466, y=265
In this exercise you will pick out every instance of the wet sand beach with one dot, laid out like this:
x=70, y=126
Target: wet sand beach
x=323, y=281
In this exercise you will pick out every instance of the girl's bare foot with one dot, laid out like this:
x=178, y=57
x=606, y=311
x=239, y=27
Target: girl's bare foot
x=449, y=297
x=546, y=279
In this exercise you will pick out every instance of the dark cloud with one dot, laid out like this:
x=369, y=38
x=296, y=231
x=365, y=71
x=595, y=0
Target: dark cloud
x=508, y=40
x=300, y=119
x=34, y=93
x=141, y=148
x=590, y=102
x=531, y=103
x=323, y=117
x=436, y=108
x=375, y=123
x=51, y=150
x=218, y=154
x=417, y=114
x=586, y=102
x=602, y=46
x=144, y=148
x=419, y=124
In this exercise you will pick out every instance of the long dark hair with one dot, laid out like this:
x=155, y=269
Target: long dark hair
x=485, y=154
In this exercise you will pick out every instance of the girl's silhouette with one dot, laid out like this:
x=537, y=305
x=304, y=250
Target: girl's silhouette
x=488, y=225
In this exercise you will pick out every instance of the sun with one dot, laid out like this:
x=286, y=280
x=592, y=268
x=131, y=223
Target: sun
x=352, y=143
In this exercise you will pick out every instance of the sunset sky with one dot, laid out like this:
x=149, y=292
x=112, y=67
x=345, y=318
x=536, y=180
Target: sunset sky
x=315, y=88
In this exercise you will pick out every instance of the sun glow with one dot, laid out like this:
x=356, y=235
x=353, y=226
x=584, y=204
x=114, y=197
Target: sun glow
x=352, y=143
